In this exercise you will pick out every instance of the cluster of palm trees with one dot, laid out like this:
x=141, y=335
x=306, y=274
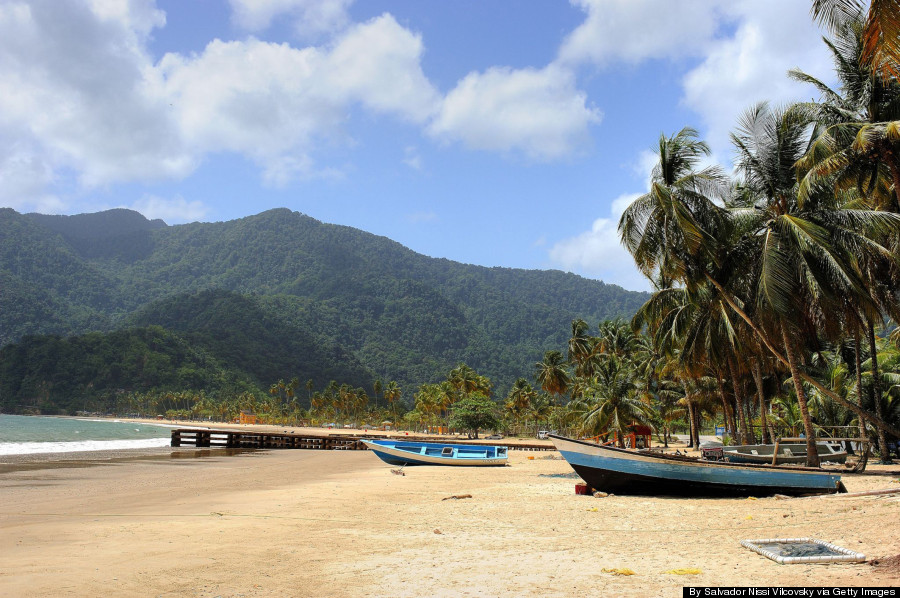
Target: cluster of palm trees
x=433, y=402
x=793, y=265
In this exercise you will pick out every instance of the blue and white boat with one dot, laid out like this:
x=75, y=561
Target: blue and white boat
x=397, y=452
x=623, y=471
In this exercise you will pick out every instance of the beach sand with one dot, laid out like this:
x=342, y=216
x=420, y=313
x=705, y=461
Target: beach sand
x=189, y=522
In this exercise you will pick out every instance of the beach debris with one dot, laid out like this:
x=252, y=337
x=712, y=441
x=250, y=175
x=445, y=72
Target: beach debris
x=780, y=497
x=437, y=531
x=599, y=494
x=687, y=571
x=583, y=489
x=618, y=571
x=398, y=471
x=752, y=498
x=457, y=497
x=890, y=564
x=593, y=510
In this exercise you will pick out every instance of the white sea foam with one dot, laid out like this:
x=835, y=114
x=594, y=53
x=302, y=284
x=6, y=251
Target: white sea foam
x=33, y=448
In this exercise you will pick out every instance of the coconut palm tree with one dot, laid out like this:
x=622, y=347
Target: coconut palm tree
x=519, y=399
x=613, y=402
x=670, y=228
x=551, y=374
x=880, y=34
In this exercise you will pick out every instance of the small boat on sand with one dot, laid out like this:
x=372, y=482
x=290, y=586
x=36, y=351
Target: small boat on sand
x=398, y=452
x=623, y=471
x=787, y=453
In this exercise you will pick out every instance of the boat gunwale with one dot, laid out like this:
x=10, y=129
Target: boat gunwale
x=696, y=460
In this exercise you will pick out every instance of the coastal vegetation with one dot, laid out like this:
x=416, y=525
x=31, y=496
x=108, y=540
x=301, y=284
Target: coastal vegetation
x=271, y=297
x=774, y=312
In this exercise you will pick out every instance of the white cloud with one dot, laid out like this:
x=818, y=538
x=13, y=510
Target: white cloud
x=537, y=112
x=74, y=90
x=175, y=210
x=310, y=17
x=751, y=65
x=636, y=30
x=81, y=92
x=275, y=103
x=24, y=178
x=599, y=254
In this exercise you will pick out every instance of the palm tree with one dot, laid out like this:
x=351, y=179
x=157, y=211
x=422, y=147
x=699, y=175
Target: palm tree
x=880, y=35
x=551, y=374
x=392, y=394
x=464, y=379
x=519, y=399
x=668, y=228
x=613, y=401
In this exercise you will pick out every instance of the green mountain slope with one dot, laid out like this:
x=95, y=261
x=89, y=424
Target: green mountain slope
x=304, y=298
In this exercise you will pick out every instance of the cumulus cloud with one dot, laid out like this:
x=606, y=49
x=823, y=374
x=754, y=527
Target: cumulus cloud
x=310, y=17
x=175, y=210
x=540, y=113
x=274, y=103
x=599, y=254
x=636, y=30
x=24, y=179
x=74, y=88
x=82, y=94
x=751, y=65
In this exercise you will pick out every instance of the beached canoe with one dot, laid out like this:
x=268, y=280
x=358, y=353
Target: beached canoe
x=787, y=453
x=623, y=471
x=398, y=452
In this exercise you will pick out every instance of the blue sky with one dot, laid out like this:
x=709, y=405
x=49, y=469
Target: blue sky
x=494, y=133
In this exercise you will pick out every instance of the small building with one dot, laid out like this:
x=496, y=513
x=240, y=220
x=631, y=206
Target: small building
x=248, y=417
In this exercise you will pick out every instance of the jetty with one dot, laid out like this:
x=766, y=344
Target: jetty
x=252, y=439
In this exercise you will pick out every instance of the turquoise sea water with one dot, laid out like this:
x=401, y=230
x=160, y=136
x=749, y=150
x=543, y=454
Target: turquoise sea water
x=20, y=435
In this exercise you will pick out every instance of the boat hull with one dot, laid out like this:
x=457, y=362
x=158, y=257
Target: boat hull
x=423, y=453
x=628, y=472
x=794, y=453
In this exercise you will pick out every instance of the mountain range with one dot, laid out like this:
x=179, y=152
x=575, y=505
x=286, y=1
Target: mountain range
x=244, y=303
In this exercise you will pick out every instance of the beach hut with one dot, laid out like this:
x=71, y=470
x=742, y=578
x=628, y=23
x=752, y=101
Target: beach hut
x=248, y=417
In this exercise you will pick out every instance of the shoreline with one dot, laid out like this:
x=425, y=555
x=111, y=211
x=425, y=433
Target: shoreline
x=340, y=523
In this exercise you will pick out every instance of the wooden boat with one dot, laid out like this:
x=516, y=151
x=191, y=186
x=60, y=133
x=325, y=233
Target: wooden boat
x=787, y=453
x=623, y=471
x=398, y=452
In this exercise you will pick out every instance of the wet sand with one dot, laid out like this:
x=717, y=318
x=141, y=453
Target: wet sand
x=188, y=522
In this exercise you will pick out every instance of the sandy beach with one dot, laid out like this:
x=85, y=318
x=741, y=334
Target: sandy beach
x=188, y=522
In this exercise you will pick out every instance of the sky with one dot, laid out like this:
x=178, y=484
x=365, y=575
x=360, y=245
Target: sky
x=495, y=133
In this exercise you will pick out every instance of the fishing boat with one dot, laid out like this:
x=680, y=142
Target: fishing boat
x=624, y=471
x=787, y=453
x=398, y=452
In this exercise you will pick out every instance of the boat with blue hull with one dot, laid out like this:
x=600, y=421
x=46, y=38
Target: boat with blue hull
x=397, y=452
x=623, y=471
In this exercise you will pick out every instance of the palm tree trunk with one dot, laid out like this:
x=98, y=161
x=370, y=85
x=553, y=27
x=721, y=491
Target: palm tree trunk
x=696, y=438
x=859, y=387
x=690, y=407
x=739, y=402
x=763, y=410
x=730, y=423
x=862, y=413
x=876, y=389
x=812, y=456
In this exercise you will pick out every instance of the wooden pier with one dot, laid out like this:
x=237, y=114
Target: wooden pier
x=235, y=439
x=250, y=439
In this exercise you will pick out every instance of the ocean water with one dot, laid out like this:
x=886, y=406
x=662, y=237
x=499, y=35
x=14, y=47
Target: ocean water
x=22, y=435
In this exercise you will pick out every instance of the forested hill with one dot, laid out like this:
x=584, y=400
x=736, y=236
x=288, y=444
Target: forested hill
x=327, y=300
